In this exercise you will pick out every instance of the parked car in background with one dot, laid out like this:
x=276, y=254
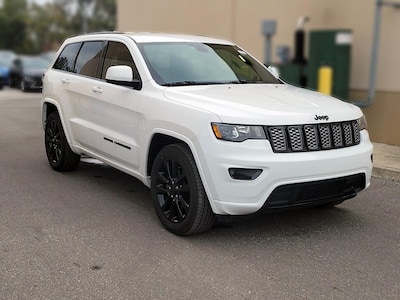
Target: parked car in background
x=4, y=71
x=49, y=55
x=9, y=54
x=26, y=72
x=6, y=59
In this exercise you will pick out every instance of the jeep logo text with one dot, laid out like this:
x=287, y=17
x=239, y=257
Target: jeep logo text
x=326, y=118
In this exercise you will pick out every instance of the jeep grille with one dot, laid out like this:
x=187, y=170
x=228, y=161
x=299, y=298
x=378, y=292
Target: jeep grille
x=313, y=137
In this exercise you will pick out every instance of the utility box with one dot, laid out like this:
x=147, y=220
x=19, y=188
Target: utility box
x=330, y=48
x=294, y=74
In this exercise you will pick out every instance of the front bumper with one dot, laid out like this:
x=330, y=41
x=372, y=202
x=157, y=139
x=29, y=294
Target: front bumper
x=229, y=196
x=33, y=83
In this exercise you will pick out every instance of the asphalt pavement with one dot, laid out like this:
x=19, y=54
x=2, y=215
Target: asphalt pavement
x=93, y=234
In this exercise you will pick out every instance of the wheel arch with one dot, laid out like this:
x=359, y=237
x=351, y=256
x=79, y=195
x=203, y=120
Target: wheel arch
x=158, y=142
x=47, y=109
x=161, y=139
x=49, y=106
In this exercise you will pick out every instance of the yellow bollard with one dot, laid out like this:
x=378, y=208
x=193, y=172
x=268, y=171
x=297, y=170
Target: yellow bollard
x=325, y=75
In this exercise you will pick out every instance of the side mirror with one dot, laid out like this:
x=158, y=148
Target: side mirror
x=122, y=75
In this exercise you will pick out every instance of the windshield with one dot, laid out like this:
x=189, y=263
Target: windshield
x=35, y=63
x=4, y=62
x=187, y=63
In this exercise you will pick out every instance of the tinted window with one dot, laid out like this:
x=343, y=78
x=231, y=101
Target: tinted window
x=88, y=59
x=118, y=54
x=66, y=60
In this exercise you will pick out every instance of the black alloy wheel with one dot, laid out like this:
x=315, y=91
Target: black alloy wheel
x=178, y=193
x=59, y=154
x=173, y=191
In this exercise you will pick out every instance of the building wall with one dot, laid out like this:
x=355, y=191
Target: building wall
x=383, y=116
x=240, y=21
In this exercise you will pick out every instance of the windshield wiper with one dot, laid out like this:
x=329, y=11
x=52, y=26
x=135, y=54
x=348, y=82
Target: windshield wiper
x=189, y=82
x=180, y=83
x=242, y=81
x=250, y=81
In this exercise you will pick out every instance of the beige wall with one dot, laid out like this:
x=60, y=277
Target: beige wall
x=383, y=116
x=240, y=21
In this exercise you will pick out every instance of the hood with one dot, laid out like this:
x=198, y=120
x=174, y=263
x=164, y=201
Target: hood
x=264, y=104
x=34, y=72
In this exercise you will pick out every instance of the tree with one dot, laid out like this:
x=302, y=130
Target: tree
x=36, y=28
x=46, y=27
x=12, y=24
x=89, y=15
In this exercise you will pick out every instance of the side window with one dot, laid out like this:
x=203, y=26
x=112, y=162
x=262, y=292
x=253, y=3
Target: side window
x=66, y=59
x=88, y=60
x=118, y=54
x=17, y=63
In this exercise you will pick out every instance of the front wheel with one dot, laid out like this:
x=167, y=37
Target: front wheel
x=59, y=154
x=178, y=193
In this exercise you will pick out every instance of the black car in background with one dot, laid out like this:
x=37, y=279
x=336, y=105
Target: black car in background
x=26, y=72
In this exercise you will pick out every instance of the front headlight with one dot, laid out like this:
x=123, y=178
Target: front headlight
x=237, y=133
x=362, y=123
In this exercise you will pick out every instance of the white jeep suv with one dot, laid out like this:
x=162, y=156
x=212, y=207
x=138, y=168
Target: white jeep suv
x=203, y=124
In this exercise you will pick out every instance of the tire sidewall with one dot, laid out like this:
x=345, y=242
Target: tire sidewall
x=54, y=117
x=176, y=153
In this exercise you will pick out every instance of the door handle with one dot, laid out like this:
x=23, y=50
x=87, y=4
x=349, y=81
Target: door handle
x=66, y=81
x=97, y=89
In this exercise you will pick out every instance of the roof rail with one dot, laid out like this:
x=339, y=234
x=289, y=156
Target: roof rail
x=105, y=32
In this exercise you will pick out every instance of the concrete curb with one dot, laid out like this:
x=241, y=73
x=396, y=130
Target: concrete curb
x=386, y=161
x=386, y=173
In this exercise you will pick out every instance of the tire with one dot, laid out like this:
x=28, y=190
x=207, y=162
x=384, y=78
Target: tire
x=178, y=194
x=23, y=86
x=13, y=82
x=59, y=154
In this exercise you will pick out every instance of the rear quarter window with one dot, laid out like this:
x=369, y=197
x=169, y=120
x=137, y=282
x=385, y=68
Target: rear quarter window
x=66, y=60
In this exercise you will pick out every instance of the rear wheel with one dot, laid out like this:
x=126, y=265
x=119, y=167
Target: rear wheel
x=59, y=154
x=178, y=193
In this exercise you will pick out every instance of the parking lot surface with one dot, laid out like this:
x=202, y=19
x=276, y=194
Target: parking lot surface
x=93, y=234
